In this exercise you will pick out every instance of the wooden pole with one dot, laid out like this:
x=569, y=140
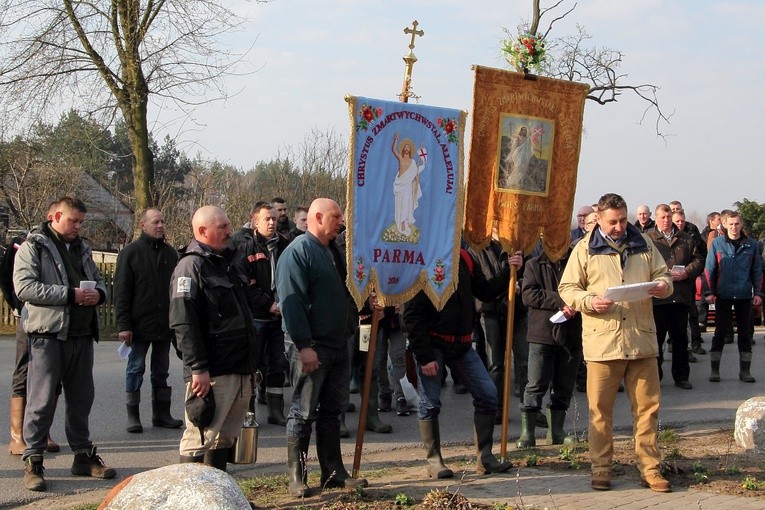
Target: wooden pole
x=508, y=361
x=370, y=365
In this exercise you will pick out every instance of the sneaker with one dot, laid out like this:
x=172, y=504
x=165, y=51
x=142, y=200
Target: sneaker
x=90, y=464
x=402, y=407
x=33, y=473
x=384, y=402
x=656, y=483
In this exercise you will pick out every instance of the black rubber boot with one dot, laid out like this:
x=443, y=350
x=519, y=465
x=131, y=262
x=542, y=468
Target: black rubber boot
x=133, y=412
x=714, y=361
x=486, y=462
x=297, y=453
x=744, y=363
x=528, y=426
x=431, y=439
x=333, y=473
x=556, y=434
x=160, y=409
x=217, y=458
x=188, y=459
x=275, y=402
x=374, y=423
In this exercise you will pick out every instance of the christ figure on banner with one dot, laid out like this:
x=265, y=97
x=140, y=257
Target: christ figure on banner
x=517, y=161
x=406, y=186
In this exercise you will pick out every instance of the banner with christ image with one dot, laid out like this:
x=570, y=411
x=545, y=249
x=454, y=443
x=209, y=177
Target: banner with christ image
x=405, y=200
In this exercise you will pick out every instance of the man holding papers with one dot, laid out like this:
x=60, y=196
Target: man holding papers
x=618, y=338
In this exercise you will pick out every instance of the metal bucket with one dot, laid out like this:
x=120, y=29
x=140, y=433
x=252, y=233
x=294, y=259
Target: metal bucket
x=245, y=449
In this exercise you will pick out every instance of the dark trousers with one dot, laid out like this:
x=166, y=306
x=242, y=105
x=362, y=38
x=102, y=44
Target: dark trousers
x=52, y=363
x=136, y=365
x=724, y=319
x=673, y=319
x=273, y=360
x=551, y=366
x=19, y=385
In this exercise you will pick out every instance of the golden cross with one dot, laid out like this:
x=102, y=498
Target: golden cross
x=414, y=33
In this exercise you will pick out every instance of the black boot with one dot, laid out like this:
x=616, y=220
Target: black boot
x=528, y=426
x=217, y=458
x=744, y=363
x=188, y=459
x=486, y=462
x=333, y=473
x=374, y=423
x=276, y=406
x=431, y=439
x=133, y=412
x=714, y=361
x=160, y=408
x=297, y=453
x=556, y=434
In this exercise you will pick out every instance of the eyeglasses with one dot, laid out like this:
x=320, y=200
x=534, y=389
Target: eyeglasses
x=581, y=215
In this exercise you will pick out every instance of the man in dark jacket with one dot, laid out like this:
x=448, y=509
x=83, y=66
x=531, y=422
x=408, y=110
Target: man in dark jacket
x=681, y=254
x=555, y=349
x=142, y=301
x=439, y=338
x=257, y=257
x=313, y=304
x=210, y=314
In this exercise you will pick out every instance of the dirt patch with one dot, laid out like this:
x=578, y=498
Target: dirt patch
x=703, y=458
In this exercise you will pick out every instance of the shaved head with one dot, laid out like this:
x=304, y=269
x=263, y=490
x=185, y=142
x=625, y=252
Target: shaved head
x=211, y=227
x=324, y=219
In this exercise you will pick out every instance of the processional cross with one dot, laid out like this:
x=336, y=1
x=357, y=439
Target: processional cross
x=410, y=59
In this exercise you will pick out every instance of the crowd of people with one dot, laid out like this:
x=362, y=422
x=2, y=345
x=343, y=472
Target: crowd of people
x=255, y=311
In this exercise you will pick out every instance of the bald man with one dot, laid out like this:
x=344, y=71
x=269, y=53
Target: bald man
x=310, y=280
x=210, y=315
x=644, y=223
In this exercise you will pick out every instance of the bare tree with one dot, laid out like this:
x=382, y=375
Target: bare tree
x=570, y=58
x=112, y=55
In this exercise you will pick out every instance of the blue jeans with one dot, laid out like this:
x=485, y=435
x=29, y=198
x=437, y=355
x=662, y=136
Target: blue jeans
x=136, y=365
x=320, y=395
x=273, y=360
x=471, y=372
x=550, y=364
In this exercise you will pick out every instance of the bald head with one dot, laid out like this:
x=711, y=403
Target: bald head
x=211, y=227
x=643, y=214
x=324, y=219
x=581, y=214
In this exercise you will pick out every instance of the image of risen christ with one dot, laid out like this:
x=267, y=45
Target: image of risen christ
x=406, y=186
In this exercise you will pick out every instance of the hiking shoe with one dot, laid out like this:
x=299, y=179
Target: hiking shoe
x=33, y=473
x=601, y=480
x=402, y=407
x=656, y=483
x=90, y=464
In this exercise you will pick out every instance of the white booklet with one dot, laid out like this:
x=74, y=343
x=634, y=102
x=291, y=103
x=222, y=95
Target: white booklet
x=630, y=292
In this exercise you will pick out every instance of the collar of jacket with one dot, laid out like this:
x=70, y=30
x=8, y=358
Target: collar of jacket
x=203, y=250
x=635, y=242
x=151, y=241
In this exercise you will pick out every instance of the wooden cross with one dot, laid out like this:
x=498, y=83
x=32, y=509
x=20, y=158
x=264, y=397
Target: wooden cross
x=414, y=33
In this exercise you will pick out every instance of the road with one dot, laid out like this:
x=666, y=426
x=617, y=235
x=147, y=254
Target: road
x=132, y=453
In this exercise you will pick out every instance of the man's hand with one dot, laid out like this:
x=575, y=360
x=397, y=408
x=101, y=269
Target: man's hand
x=712, y=298
x=86, y=297
x=660, y=290
x=756, y=300
x=516, y=259
x=309, y=359
x=601, y=304
x=430, y=369
x=200, y=383
x=275, y=308
x=679, y=275
x=568, y=312
x=126, y=337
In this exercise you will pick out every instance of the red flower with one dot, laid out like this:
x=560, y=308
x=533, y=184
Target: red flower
x=368, y=115
x=449, y=127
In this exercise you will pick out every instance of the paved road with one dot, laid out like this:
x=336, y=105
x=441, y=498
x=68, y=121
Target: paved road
x=131, y=453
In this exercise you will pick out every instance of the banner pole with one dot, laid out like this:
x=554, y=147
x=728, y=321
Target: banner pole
x=365, y=392
x=508, y=361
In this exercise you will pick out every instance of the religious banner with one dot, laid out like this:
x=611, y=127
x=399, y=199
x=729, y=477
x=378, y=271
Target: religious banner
x=405, y=200
x=524, y=154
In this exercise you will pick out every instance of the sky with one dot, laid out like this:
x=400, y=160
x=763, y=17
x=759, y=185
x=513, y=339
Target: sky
x=706, y=56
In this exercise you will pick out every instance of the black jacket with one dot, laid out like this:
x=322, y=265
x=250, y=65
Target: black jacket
x=141, y=284
x=253, y=259
x=681, y=249
x=210, y=314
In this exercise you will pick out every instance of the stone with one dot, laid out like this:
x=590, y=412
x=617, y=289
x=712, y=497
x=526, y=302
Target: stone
x=749, y=431
x=189, y=486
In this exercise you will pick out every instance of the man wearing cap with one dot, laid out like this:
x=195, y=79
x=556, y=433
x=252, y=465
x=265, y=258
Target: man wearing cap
x=210, y=314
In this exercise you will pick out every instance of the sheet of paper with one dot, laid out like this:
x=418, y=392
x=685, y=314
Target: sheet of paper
x=123, y=351
x=87, y=284
x=558, y=318
x=630, y=292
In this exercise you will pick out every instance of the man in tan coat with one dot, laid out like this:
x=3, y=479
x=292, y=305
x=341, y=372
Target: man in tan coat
x=618, y=338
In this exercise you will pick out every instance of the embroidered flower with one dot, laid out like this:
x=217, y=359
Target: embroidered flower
x=449, y=127
x=360, y=274
x=367, y=115
x=439, y=274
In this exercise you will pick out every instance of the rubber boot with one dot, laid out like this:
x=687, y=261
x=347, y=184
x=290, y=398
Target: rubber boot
x=333, y=472
x=217, y=458
x=714, y=361
x=374, y=423
x=160, y=409
x=528, y=426
x=133, y=412
x=486, y=462
x=297, y=454
x=344, y=432
x=556, y=434
x=744, y=363
x=17, y=444
x=431, y=439
x=188, y=459
x=275, y=402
